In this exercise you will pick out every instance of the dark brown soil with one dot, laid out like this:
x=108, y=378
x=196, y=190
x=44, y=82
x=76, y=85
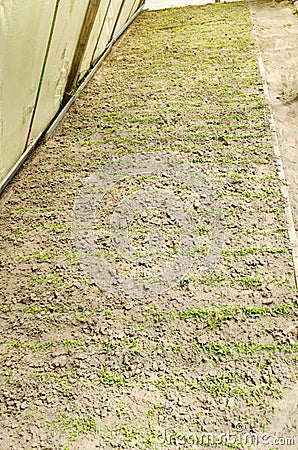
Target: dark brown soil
x=82, y=368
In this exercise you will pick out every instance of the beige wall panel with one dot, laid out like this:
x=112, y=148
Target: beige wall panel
x=125, y=14
x=24, y=28
x=97, y=28
x=108, y=27
x=105, y=33
x=66, y=32
x=136, y=6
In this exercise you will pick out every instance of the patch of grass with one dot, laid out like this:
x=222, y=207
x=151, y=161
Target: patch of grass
x=73, y=343
x=42, y=256
x=243, y=251
x=111, y=378
x=73, y=427
x=50, y=279
x=212, y=279
x=250, y=194
x=218, y=351
x=231, y=385
x=218, y=314
x=277, y=210
x=39, y=347
x=249, y=282
x=129, y=433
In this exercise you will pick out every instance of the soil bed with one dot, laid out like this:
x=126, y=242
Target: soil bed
x=85, y=369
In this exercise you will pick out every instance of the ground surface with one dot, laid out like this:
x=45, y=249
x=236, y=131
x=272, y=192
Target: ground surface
x=277, y=28
x=162, y=4
x=85, y=369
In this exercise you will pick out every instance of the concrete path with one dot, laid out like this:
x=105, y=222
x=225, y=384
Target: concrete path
x=276, y=33
x=276, y=30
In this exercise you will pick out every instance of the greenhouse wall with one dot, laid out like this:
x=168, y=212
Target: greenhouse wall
x=46, y=47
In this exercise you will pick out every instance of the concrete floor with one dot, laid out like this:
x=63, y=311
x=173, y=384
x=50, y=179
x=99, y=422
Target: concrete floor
x=276, y=30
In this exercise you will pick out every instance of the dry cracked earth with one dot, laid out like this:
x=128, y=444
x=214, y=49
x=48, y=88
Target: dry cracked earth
x=212, y=356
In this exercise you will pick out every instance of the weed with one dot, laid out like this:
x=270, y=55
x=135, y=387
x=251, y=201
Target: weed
x=69, y=343
x=249, y=282
x=39, y=347
x=110, y=378
x=252, y=251
x=74, y=427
